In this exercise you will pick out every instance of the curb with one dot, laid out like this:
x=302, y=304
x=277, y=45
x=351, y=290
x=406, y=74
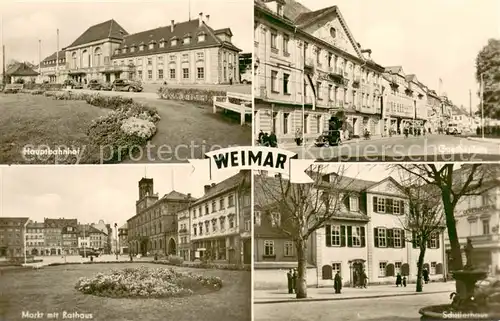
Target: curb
x=345, y=298
x=486, y=140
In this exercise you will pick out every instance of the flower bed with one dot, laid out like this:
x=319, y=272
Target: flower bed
x=194, y=265
x=145, y=282
x=203, y=96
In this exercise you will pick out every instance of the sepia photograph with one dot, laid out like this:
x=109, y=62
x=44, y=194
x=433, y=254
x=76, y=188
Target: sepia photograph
x=130, y=242
x=378, y=242
x=124, y=82
x=378, y=81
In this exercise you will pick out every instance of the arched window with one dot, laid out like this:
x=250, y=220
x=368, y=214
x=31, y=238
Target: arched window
x=333, y=32
x=97, y=57
x=85, y=59
x=73, y=60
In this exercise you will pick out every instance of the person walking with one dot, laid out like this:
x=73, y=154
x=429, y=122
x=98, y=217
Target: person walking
x=399, y=280
x=289, y=277
x=404, y=281
x=364, y=279
x=337, y=283
x=294, y=280
x=425, y=274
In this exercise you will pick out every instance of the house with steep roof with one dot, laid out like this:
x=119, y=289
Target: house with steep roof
x=21, y=72
x=296, y=45
x=220, y=221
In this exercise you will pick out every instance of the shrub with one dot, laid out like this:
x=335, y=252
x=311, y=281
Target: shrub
x=134, y=126
x=146, y=282
x=175, y=260
x=203, y=96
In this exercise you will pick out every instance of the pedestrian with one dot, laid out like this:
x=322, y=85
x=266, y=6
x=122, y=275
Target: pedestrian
x=355, y=279
x=261, y=135
x=425, y=274
x=404, y=281
x=364, y=279
x=337, y=283
x=289, y=277
x=156, y=256
x=273, y=141
x=131, y=257
x=399, y=280
x=231, y=81
x=294, y=280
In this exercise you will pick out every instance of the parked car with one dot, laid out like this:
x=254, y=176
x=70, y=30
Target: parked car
x=453, y=129
x=126, y=85
x=95, y=84
x=73, y=84
x=488, y=289
x=329, y=138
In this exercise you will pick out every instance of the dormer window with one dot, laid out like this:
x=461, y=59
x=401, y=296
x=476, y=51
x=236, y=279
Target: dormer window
x=162, y=43
x=173, y=42
x=132, y=49
x=187, y=40
x=279, y=10
x=151, y=45
x=201, y=37
x=141, y=47
x=117, y=51
x=124, y=50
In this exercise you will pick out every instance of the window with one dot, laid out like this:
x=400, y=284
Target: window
x=286, y=80
x=214, y=225
x=200, y=73
x=150, y=74
x=201, y=37
x=286, y=41
x=206, y=209
x=200, y=55
x=274, y=38
x=268, y=248
x=150, y=61
x=214, y=206
x=356, y=236
x=396, y=208
x=336, y=268
x=336, y=235
x=397, y=235
x=231, y=221
x=382, y=237
x=286, y=116
x=381, y=205
x=162, y=44
x=318, y=124
x=141, y=48
x=354, y=203
x=256, y=218
x=139, y=74
x=185, y=73
x=230, y=201
x=306, y=123
x=221, y=204
x=433, y=268
x=274, y=81
x=382, y=269
x=194, y=230
x=318, y=90
x=333, y=32
x=172, y=58
x=486, y=226
x=248, y=225
x=172, y=73
x=288, y=248
x=151, y=46
x=433, y=241
x=275, y=219
x=187, y=40
x=397, y=267
x=160, y=73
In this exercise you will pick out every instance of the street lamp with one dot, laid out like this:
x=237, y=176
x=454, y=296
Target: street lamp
x=116, y=241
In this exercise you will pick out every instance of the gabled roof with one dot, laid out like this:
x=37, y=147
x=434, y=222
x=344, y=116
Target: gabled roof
x=174, y=195
x=21, y=69
x=387, y=179
x=89, y=229
x=104, y=30
x=243, y=177
x=227, y=31
x=60, y=222
x=293, y=9
x=62, y=55
x=394, y=69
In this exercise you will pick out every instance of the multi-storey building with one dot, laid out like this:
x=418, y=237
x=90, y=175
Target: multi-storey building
x=183, y=239
x=366, y=234
x=153, y=228
x=418, y=93
x=434, y=112
x=220, y=221
x=60, y=236
x=51, y=66
x=309, y=60
x=108, y=231
x=447, y=107
x=35, y=242
x=12, y=236
x=189, y=52
x=91, y=237
x=123, y=239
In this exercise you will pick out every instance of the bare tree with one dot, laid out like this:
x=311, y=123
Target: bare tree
x=453, y=184
x=424, y=219
x=302, y=208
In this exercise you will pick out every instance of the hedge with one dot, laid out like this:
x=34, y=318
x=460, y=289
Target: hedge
x=208, y=266
x=203, y=96
x=489, y=131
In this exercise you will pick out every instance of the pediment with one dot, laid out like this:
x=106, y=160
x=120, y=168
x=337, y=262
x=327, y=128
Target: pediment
x=387, y=186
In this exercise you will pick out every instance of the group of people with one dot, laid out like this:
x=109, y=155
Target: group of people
x=268, y=140
x=400, y=281
x=292, y=276
x=360, y=279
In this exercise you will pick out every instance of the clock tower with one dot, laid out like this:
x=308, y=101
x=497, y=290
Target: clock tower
x=147, y=197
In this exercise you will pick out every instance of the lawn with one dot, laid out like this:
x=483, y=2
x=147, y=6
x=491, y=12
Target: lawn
x=51, y=289
x=39, y=120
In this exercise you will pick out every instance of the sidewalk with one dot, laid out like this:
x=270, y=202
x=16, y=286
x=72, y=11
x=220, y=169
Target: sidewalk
x=327, y=294
x=290, y=146
x=485, y=140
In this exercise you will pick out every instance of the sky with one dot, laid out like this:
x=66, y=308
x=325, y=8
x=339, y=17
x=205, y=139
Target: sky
x=432, y=39
x=90, y=193
x=28, y=21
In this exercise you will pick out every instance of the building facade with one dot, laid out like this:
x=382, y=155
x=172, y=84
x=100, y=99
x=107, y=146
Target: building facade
x=123, y=239
x=153, y=229
x=184, y=240
x=189, y=52
x=310, y=58
x=35, y=241
x=61, y=236
x=12, y=236
x=220, y=222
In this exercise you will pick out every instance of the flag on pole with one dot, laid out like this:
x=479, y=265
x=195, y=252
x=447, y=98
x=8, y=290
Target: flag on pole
x=440, y=86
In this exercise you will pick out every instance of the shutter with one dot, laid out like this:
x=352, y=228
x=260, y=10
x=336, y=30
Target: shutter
x=375, y=234
x=390, y=237
x=429, y=242
x=405, y=269
x=347, y=203
x=402, y=207
x=389, y=270
x=363, y=241
x=414, y=239
x=328, y=236
x=342, y=236
x=437, y=240
x=375, y=199
x=403, y=239
x=388, y=206
x=349, y=236
x=439, y=268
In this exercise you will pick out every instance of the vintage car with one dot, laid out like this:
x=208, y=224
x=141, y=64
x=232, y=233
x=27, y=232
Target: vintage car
x=329, y=138
x=72, y=84
x=95, y=84
x=126, y=85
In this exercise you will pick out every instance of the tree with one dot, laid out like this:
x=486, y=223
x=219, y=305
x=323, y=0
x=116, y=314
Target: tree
x=488, y=65
x=301, y=209
x=452, y=184
x=424, y=218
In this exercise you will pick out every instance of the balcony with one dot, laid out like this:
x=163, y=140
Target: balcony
x=309, y=66
x=485, y=209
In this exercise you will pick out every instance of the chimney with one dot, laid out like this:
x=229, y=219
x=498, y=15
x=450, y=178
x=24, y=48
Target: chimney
x=172, y=23
x=207, y=19
x=189, y=195
x=207, y=188
x=200, y=19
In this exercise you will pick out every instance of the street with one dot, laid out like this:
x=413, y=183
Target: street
x=374, y=309
x=77, y=258
x=423, y=148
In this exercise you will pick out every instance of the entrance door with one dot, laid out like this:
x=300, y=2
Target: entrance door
x=357, y=272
